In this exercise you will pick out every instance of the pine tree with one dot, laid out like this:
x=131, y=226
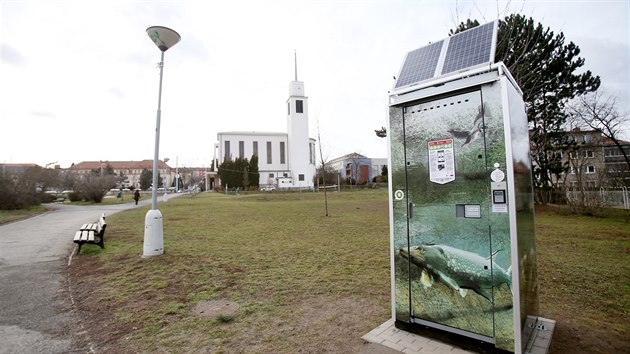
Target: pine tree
x=254, y=178
x=146, y=178
x=545, y=70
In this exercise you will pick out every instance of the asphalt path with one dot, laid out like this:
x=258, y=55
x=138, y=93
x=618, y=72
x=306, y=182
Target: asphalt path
x=35, y=310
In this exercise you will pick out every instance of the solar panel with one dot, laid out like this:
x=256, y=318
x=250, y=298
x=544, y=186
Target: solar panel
x=470, y=48
x=419, y=65
x=462, y=51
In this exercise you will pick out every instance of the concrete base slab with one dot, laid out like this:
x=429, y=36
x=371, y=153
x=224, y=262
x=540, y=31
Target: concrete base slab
x=388, y=338
x=391, y=337
x=540, y=337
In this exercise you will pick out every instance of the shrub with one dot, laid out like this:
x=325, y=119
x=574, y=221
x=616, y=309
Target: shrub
x=17, y=193
x=75, y=197
x=8, y=196
x=46, y=198
x=93, y=188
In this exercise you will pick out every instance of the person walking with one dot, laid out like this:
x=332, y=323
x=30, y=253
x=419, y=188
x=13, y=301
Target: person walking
x=136, y=196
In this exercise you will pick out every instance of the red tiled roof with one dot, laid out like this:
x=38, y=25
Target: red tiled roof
x=119, y=165
x=608, y=141
x=19, y=164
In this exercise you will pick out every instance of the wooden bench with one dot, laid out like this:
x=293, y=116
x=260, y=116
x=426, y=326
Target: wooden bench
x=91, y=233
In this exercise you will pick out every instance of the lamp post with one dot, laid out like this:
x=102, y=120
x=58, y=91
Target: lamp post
x=164, y=38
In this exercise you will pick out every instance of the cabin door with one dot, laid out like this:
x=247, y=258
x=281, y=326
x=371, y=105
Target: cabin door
x=448, y=201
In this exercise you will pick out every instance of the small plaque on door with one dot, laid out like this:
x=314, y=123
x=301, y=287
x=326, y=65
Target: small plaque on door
x=441, y=161
x=470, y=211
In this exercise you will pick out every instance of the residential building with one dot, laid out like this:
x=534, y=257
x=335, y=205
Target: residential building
x=129, y=169
x=596, y=162
x=616, y=166
x=359, y=168
x=15, y=168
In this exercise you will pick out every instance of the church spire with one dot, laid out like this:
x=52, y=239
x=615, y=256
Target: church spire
x=295, y=58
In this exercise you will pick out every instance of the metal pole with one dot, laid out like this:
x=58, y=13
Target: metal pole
x=157, y=139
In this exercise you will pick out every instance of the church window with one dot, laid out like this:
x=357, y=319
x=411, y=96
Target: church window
x=269, y=152
x=301, y=177
x=227, y=149
x=299, y=106
x=241, y=149
x=255, y=148
x=282, y=153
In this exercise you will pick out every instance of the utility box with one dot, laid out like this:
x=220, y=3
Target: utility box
x=461, y=199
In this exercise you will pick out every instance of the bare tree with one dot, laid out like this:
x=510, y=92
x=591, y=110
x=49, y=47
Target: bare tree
x=93, y=187
x=193, y=183
x=322, y=162
x=598, y=112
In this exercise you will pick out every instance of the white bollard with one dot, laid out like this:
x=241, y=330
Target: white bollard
x=153, y=234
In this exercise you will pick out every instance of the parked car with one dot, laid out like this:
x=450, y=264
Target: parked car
x=268, y=188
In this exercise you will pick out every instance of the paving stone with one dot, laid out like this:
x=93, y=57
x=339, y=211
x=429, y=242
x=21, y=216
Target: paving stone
x=541, y=342
x=372, y=338
x=394, y=346
x=412, y=351
x=538, y=350
x=408, y=341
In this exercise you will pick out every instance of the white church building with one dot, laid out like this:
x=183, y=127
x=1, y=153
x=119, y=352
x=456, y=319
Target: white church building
x=285, y=160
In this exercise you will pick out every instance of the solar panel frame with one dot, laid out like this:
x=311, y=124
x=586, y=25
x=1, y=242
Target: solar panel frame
x=470, y=48
x=461, y=52
x=419, y=65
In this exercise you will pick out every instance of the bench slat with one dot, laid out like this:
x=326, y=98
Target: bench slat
x=89, y=227
x=90, y=236
x=84, y=235
x=77, y=236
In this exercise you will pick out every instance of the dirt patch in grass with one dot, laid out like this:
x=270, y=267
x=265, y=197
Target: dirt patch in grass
x=223, y=309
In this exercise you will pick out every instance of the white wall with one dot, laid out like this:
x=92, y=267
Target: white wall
x=275, y=168
x=301, y=162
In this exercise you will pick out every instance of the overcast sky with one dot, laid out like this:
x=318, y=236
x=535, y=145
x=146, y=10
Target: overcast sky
x=79, y=79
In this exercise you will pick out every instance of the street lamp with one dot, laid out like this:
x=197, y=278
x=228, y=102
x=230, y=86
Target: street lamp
x=164, y=38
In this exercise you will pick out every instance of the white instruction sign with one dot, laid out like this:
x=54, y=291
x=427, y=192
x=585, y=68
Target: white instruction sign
x=441, y=161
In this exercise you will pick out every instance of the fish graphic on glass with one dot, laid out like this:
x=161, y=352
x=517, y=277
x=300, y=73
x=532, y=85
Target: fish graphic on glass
x=470, y=135
x=458, y=269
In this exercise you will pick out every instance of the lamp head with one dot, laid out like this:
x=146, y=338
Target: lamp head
x=163, y=37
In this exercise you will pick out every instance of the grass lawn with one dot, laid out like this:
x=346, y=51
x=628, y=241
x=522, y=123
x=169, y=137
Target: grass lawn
x=306, y=282
x=13, y=215
x=584, y=274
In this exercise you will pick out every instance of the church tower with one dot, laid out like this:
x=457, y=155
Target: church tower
x=301, y=149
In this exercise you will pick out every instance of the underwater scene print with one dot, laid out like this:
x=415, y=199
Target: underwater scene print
x=452, y=254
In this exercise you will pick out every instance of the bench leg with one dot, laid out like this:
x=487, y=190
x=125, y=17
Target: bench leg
x=101, y=242
x=79, y=248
